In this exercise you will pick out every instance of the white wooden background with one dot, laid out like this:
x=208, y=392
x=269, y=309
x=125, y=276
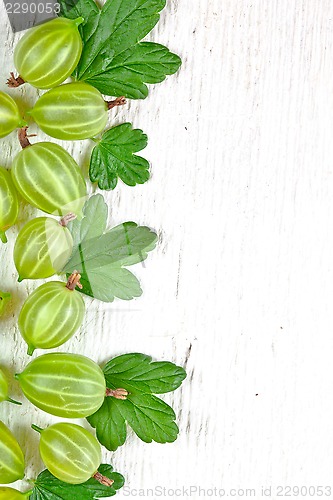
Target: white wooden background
x=241, y=286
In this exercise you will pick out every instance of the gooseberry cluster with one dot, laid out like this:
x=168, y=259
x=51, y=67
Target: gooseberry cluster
x=61, y=384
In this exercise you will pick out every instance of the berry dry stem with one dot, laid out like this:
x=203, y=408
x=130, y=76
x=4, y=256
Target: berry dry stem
x=24, y=137
x=120, y=101
x=74, y=281
x=15, y=81
x=117, y=393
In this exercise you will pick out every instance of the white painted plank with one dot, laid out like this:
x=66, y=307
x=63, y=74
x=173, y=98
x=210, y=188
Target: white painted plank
x=241, y=193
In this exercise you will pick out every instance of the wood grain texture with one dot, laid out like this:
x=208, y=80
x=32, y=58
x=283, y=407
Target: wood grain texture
x=241, y=286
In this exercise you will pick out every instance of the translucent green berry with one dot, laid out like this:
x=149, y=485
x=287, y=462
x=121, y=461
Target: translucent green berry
x=10, y=117
x=5, y=297
x=51, y=315
x=71, y=112
x=70, y=452
x=11, y=494
x=49, y=178
x=11, y=457
x=4, y=389
x=47, y=54
x=42, y=248
x=9, y=203
x=65, y=385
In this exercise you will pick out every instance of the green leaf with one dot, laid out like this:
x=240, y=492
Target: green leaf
x=100, y=256
x=107, y=282
x=138, y=374
x=94, y=222
x=128, y=73
x=114, y=157
x=149, y=417
x=47, y=487
x=113, y=60
x=110, y=423
x=88, y=9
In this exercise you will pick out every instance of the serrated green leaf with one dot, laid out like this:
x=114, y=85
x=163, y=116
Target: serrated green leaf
x=128, y=73
x=100, y=256
x=137, y=373
x=109, y=282
x=114, y=157
x=93, y=224
x=124, y=245
x=110, y=424
x=113, y=60
x=149, y=417
x=47, y=487
x=88, y=9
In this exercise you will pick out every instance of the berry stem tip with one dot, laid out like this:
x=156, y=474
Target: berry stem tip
x=10, y=400
x=78, y=21
x=36, y=428
x=31, y=350
x=3, y=237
